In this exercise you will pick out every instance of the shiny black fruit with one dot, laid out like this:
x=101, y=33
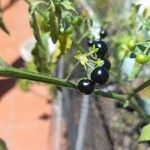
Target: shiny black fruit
x=90, y=42
x=102, y=48
x=103, y=33
x=106, y=64
x=100, y=75
x=86, y=86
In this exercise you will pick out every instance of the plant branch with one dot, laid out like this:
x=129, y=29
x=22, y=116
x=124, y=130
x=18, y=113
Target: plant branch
x=132, y=100
x=69, y=75
x=138, y=109
x=121, y=97
x=139, y=88
x=142, y=86
x=23, y=74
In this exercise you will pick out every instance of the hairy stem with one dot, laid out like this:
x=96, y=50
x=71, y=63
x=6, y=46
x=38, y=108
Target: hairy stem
x=23, y=74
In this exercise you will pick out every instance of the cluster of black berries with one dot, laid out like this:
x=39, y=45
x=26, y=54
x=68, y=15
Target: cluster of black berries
x=100, y=74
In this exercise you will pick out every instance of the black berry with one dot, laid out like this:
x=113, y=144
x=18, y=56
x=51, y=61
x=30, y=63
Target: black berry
x=100, y=75
x=90, y=42
x=86, y=86
x=106, y=64
x=102, y=48
x=103, y=33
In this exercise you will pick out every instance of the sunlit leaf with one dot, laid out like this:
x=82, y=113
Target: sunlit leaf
x=66, y=4
x=145, y=22
x=41, y=59
x=64, y=44
x=54, y=27
x=54, y=21
x=145, y=134
x=35, y=27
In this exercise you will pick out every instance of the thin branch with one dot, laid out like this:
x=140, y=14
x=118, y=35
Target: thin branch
x=121, y=97
x=139, y=88
x=23, y=74
x=72, y=71
x=138, y=109
x=142, y=86
x=18, y=73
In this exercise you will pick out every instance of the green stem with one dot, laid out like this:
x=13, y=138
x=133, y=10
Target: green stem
x=82, y=37
x=13, y=72
x=23, y=74
x=142, y=86
x=133, y=102
x=138, y=109
x=120, y=97
x=124, y=98
x=92, y=68
x=142, y=43
x=139, y=88
x=69, y=75
x=147, y=50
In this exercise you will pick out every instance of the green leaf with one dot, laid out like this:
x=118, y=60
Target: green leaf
x=41, y=59
x=146, y=22
x=2, y=145
x=66, y=4
x=63, y=46
x=35, y=26
x=33, y=6
x=54, y=27
x=135, y=72
x=24, y=84
x=145, y=134
x=54, y=20
x=141, y=47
